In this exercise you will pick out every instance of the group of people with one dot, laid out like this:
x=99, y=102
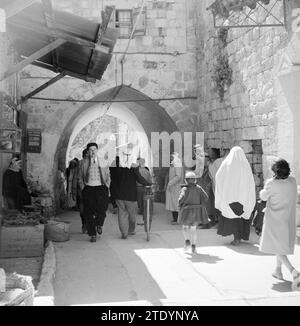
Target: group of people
x=235, y=200
x=205, y=171
x=100, y=185
x=217, y=191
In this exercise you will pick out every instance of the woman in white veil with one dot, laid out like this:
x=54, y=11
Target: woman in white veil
x=235, y=195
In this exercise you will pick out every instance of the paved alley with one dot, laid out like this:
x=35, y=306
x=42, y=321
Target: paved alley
x=113, y=271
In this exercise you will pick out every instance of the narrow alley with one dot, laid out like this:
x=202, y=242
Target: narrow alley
x=114, y=271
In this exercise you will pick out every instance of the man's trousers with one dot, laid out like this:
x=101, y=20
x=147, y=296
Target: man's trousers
x=95, y=204
x=126, y=216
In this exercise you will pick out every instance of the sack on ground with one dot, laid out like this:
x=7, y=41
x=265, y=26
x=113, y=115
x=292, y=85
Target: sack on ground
x=57, y=231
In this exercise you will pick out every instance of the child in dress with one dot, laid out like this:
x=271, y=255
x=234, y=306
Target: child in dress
x=191, y=201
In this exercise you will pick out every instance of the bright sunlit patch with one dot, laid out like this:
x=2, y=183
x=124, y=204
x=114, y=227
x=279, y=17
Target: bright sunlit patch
x=174, y=275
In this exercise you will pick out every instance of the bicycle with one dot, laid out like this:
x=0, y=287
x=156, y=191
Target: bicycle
x=148, y=210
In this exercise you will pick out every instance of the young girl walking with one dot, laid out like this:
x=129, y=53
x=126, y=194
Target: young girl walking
x=191, y=201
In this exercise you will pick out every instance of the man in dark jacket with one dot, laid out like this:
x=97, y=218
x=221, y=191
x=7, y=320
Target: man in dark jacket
x=125, y=180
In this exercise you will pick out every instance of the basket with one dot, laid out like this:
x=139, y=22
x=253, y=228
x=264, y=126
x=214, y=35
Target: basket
x=57, y=231
x=19, y=291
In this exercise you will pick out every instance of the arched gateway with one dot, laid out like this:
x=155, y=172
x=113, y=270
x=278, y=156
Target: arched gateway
x=127, y=104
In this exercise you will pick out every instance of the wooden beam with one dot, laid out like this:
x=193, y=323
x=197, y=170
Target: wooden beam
x=66, y=72
x=42, y=87
x=16, y=6
x=37, y=28
x=50, y=22
x=106, y=15
x=91, y=63
x=45, y=66
x=100, y=33
x=38, y=54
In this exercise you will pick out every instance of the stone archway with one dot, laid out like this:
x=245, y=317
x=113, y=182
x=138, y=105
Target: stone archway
x=144, y=114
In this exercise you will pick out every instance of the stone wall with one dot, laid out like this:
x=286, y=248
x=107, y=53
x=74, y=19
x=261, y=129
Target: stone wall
x=177, y=58
x=160, y=64
x=249, y=110
x=8, y=96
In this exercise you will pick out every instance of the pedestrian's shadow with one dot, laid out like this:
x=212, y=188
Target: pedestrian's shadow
x=203, y=258
x=282, y=286
x=247, y=248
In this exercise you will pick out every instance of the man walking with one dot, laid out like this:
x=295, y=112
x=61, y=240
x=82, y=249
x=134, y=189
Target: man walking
x=94, y=182
x=126, y=197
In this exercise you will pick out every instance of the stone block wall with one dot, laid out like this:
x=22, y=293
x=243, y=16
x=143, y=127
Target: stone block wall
x=249, y=110
x=177, y=58
x=160, y=64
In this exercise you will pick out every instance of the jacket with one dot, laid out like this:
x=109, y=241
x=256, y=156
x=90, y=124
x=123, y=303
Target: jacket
x=82, y=172
x=125, y=180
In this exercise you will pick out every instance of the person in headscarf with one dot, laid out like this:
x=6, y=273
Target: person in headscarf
x=192, y=200
x=235, y=195
x=14, y=187
x=279, y=226
x=173, y=186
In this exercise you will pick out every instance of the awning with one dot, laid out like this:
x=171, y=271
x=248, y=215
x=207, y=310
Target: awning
x=60, y=41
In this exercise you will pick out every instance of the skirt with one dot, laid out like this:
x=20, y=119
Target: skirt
x=239, y=227
x=193, y=216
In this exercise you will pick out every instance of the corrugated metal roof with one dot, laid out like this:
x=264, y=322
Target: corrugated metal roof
x=29, y=32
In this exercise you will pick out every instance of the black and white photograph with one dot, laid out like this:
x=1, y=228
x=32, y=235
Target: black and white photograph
x=149, y=156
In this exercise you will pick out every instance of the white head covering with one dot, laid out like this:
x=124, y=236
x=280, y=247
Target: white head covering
x=200, y=160
x=235, y=183
x=176, y=161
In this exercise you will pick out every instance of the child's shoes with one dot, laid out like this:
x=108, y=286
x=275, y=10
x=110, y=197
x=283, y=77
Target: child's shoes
x=194, y=251
x=187, y=244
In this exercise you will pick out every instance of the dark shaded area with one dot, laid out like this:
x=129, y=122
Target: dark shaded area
x=29, y=33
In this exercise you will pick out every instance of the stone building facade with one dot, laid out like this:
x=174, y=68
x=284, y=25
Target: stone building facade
x=177, y=57
x=254, y=112
x=159, y=64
